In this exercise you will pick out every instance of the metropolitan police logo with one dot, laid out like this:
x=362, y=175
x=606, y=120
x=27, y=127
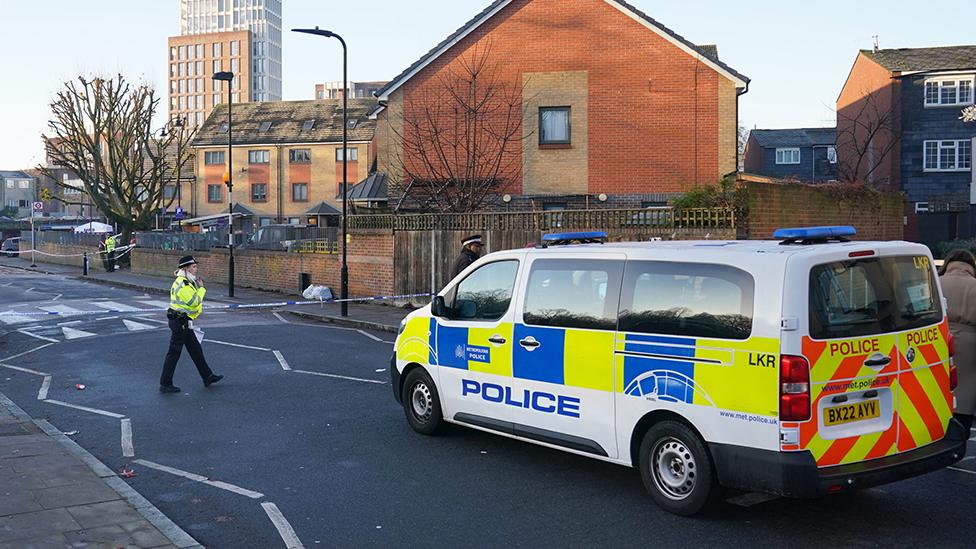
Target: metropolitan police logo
x=459, y=352
x=910, y=355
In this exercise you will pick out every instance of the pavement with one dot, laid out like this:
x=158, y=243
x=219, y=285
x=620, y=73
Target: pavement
x=385, y=318
x=56, y=494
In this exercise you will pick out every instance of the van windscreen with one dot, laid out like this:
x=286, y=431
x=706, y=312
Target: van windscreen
x=870, y=296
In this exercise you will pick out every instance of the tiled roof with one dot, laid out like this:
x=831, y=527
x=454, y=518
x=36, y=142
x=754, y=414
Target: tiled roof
x=925, y=59
x=323, y=208
x=795, y=137
x=711, y=52
x=13, y=174
x=373, y=188
x=186, y=173
x=288, y=122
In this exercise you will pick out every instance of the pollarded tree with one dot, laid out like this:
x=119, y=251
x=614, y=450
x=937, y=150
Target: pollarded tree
x=457, y=139
x=102, y=129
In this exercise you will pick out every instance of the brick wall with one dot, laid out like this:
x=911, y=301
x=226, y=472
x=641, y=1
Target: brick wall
x=876, y=216
x=869, y=95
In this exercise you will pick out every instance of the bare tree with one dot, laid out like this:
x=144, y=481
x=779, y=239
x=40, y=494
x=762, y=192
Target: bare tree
x=102, y=130
x=866, y=135
x=456, y=142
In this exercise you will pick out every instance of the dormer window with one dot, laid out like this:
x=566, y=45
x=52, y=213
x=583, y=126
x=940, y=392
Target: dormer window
x=222, y=128
x=308, y=125
x=265, y=126
x=949, y=90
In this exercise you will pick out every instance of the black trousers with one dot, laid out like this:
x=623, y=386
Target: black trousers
x=181, y=335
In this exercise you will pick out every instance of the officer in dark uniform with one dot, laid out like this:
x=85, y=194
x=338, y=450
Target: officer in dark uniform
x=470, y=252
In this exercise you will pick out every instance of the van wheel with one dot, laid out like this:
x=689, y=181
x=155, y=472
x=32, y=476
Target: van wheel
x=676, y=468
x=422, y=403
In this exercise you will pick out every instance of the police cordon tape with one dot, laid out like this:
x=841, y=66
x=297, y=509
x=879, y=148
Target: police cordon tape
x=123, y=249
x=219, y=307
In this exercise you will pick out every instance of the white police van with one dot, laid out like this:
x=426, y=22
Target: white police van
x=802, y=366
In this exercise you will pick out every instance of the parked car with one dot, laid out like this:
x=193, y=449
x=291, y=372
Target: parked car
x=283, y=237
x=10, y=247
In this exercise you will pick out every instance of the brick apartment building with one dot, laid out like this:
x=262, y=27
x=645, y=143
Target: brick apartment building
x=287, y=162
x=631, y=109
x=193, y=60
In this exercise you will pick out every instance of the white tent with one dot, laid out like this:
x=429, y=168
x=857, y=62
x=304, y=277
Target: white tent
x=94, y=227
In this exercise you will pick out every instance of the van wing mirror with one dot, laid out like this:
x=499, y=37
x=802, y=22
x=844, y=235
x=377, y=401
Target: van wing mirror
x=437, y=307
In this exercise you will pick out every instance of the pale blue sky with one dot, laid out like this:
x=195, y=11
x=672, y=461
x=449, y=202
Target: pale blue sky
x=796, y=53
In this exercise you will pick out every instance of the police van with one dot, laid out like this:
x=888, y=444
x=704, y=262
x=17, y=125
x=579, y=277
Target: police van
x=803, y=366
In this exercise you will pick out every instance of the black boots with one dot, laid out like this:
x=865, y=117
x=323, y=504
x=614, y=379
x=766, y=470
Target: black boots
x=169, y=389
x=214, y=378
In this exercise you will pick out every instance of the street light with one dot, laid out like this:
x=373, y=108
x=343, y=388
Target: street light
x=227, y=76
x=344, y=272
x=178, y=124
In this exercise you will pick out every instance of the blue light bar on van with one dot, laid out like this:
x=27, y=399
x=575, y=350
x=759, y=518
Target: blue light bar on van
x=593, y=236
x=814, y=233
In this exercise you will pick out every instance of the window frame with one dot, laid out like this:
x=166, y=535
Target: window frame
x=569, y=127
x=252, y=195
x=293, y=186
x=293, y=156
x=614, y=268
x=354, y=150
x=450, y=296
x=939, y=82
x=791, y=150
x=220, y=189
x=263, y=155
x=208, y=156
x=939, y=145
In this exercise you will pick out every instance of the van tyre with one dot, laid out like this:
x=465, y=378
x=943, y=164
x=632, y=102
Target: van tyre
x=421, y=403
x=676, y=468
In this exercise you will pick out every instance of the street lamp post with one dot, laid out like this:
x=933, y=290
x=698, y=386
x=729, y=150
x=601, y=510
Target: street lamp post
x=344, y=271
x=179, y=169
x=227, y=76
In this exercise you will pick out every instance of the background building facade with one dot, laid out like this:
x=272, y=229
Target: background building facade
x=357, y=90
x=193, y=60
x=261, y=17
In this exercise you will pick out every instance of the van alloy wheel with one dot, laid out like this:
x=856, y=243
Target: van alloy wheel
x=420, y=399
x=421, y=402
x=674, y=468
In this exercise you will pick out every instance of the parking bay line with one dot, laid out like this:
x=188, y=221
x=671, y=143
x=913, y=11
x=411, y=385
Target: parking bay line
x=27, y=333
x=26, y=352
x=285, y=530
x=201, y=479
x=340, y=377
x=86, y=409
x=282, y=361
x=235, y=345
x=45, y=386
x=127, y=449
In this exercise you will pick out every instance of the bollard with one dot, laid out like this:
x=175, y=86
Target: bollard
x=84, y=265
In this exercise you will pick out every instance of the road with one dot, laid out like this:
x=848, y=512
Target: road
x=303, y=442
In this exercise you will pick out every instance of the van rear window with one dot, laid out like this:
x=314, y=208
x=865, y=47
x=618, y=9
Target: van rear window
x=870, y=296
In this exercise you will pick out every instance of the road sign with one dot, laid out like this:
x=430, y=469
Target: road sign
x=38, y=206
x=180, y=213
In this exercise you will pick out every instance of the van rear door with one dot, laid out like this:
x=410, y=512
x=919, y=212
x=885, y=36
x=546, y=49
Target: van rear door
x=878, y=354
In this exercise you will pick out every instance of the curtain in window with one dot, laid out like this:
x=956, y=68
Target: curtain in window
x=555, y=126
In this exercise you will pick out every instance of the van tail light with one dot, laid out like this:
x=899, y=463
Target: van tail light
x=951, y=341
x=794, y=388
x=953, y=377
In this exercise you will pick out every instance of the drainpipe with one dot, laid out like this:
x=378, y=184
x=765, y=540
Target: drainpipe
x=737, y=95
x=281, y=174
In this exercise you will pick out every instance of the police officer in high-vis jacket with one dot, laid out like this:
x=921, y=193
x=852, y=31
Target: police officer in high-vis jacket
x=185, y=304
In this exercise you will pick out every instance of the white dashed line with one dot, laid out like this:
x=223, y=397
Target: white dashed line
x=285, y=530
x=25, y=370
x=235, y=345
x=107, y=318
x=115, y=306
x=201, y=479
x=153, y=320
x=282, y=361
x=281, y=318
x=127, y=449
x=69, y=323
x=369, y=335
x=963, y=470
x=27, y=333
x=340, y=377
x=45, y=386
x=26, y=352
x=86, y=409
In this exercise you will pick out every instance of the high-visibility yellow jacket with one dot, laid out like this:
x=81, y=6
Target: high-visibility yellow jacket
x=110, y=244
x=185, y=297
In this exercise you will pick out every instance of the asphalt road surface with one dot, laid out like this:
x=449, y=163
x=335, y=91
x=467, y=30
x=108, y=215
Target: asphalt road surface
x=302, y=443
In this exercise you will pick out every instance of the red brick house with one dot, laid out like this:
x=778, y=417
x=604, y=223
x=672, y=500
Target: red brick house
x=613, y=103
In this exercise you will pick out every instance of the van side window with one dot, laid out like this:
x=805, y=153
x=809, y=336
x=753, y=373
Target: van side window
x=688, y=299
x=486, y=293
x=573, y=293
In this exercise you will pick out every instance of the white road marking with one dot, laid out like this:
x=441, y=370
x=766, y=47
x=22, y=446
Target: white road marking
x=71, y=333
x=339, y=377
x=282, y=361
x=69, y=323
x=113, y=306
x=963, y=470
x=26, y=352
x=64, y=309
x=28, y=290
x=281, y=318
x=106, y=318
x=25, y=332
x=134, y=326
x=15, y=318
x=285, y=530
x=201, y=479
x=155, y=304
x=127, y=449
x=152, y=320
x=86, y=409
x=235, y=345
x=369, y=335
x=25, y=370
x=45, y=385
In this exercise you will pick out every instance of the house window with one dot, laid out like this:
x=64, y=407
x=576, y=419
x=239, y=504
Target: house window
x=258, y=157
x=949, y=91
x=832, y=155
x=300, y=156
x=235, y=47
x=216, y=49
x=353, y=155
x=554, y=128
x=215, y=157
x=951, y=155
x=214, y=193
x=264, y=126
x=788, y=156
x=259, y=192
x=299, y=192
x=169, y=192
x=554, y=206
x=309, y=124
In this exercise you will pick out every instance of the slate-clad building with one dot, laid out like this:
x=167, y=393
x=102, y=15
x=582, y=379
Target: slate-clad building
x=806, y=154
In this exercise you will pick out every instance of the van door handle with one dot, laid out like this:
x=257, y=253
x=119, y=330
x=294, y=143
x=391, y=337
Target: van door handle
x=529, y=343
x=497, y=340
x=878, y=361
